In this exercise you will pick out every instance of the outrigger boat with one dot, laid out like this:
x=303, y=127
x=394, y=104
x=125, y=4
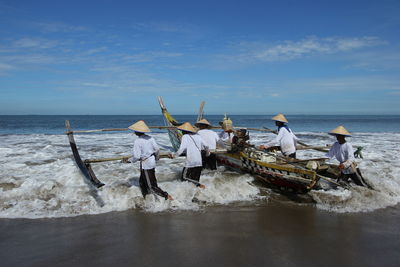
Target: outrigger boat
x=285, y=174
x=278, y=172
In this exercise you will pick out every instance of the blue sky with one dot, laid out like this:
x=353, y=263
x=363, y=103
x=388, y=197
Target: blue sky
x=241, y=57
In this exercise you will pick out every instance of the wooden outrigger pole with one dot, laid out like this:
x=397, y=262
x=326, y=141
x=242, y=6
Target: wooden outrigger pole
x=118, y=129
x=321, y=149
x=201, y=111
x=85, y=168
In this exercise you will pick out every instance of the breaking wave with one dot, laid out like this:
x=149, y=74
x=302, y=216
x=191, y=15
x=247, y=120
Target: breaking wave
x=38, y=177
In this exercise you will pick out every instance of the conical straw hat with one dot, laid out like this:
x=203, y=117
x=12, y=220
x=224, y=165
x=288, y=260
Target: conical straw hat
x=280, y=117
x=340, y=130
x=186, y=127
x=203, y=121
x=140, y=127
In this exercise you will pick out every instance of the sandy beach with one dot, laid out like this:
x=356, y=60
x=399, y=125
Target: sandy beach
x=268, y=234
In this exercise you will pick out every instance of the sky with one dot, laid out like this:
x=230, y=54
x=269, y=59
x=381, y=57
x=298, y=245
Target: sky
x=241, y=57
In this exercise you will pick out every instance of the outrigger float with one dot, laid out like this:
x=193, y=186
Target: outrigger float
x=278, y=172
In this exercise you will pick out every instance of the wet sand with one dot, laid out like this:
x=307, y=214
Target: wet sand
x=269, y=234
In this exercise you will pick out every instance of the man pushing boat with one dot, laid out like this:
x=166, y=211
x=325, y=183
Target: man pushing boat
x=226, y=134
x=343, y=152
x=146, y=150
x=192, y=144
x=211, y=139
x=285, y=139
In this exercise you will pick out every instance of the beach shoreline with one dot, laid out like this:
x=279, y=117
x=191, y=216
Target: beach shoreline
x=271, y=233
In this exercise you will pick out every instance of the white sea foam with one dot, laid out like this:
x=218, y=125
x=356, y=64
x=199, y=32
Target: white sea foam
x=38, y=177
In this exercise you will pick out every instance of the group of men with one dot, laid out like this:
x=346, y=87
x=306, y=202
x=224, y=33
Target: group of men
x=196, y=145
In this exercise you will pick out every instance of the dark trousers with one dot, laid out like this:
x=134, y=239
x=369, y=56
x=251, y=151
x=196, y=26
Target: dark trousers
x=293, y=155
x=192, y=175
x=209, y=162
x=151, y=175
x=356, y=177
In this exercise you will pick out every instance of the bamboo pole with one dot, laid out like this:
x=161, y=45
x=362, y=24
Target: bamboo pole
x=106, y=159
x=254, y=129
x=301, y=143
x=160, y=127
x=164, y=155
x=311, y=147
x=118, y=129
x=328, y=179
x=99, y=130
x=161, y=155
x=247, y=128
x=201, y=111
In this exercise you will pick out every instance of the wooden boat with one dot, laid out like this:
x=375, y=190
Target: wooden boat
x=275, y=171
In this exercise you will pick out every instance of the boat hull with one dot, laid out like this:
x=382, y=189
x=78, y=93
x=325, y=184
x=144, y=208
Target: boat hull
x=284, y=177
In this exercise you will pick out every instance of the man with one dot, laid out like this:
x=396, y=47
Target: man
x=192, y=144
x=285, y=139
x=343, y=152
x=211, y=139
x=146, y=150
x=227, y=134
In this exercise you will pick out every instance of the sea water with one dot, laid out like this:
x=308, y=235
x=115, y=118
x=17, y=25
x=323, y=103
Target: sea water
x=38, y=176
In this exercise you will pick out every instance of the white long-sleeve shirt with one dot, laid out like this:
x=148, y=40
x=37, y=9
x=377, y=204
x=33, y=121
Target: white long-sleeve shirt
x=225, y=136
x=210, y=138
x=192, y=144
x=344, y=154
x=144, y=149
x=286, y=140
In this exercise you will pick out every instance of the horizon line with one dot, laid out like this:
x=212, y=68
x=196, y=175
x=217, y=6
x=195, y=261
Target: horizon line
x=287, y=114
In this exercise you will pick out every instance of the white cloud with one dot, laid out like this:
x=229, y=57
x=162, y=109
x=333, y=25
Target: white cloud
x=150, y=56
x=37, y=59
x=52, y=27
x=373, y=61
x=253, y=52
x=4, y=68
x=95, y=50
x=359, y=84
x=161, y=27
x=34, y=43
x=92, y=84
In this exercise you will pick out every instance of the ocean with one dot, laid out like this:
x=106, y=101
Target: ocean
x=49, y=215
x=38, y=177
x=54, y=124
